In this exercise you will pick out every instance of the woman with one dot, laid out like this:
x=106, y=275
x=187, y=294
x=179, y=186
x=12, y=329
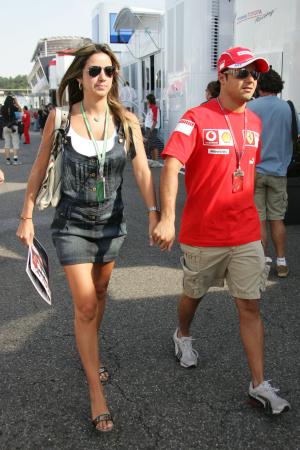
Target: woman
x=10, y=128
x=89, y=227
x=26, y=121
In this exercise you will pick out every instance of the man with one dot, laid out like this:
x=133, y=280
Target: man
x=212, y=90
x=277, y=151
x=219, y=143
x=152, y=125
x=26, y=119
x=128, y=96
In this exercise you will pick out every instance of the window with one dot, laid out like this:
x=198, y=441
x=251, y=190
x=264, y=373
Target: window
x=214, y=34
x=152, y=84
x=40, y=73
x=133, y=75
x=33, y=81
x=147, y=79
x=118, y=37
x=158, y=80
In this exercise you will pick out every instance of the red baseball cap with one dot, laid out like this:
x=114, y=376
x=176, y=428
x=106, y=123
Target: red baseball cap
x=237, y=57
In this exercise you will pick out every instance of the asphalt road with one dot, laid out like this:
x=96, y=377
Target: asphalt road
x=156, y=403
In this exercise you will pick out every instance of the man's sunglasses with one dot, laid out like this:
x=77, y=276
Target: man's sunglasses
x=242, y=74
x=94, y=71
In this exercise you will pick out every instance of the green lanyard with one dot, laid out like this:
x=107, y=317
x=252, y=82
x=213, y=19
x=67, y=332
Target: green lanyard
x=100, y=184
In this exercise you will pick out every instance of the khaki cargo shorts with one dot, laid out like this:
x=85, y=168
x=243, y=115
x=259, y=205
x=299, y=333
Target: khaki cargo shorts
x=270, y=196
x=243, y=267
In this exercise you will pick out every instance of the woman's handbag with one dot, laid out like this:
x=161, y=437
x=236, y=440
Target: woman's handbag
x=50, y=190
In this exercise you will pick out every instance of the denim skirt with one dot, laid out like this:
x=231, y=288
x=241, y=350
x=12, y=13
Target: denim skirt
x=77, y=245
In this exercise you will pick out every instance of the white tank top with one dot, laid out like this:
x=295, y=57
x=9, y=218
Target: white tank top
x=85, y=146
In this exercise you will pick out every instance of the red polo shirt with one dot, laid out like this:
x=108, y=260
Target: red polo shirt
x=213, y=215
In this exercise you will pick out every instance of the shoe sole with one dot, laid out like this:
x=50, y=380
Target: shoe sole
x=284, y=275
x=266, y=406
x=178, y=356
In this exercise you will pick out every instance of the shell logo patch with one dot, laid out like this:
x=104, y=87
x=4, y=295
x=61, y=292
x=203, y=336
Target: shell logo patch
x=226, y=137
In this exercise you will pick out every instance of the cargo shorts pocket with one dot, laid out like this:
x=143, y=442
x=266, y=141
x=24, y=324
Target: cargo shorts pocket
x=191, y=284
x=264, y=278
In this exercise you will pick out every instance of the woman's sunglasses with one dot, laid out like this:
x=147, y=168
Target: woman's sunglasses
x=242, y=74
x=94, y=71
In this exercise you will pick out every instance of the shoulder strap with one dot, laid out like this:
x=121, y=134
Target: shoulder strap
x=121, y=135
x=294, y=122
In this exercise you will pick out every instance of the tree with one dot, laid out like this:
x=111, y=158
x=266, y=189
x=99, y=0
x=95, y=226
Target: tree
x=18, y=82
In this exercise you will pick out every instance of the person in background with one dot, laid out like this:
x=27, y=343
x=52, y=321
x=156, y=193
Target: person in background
x=26, y=122
x=10, y=129
x=128, y=96
x=36, y=126
x=219, y=141
x=43, y=115
x=152, y=125
x=277, y=151
x=2, y=177
x=1, y=123
x=89, y=226
x=212, y=89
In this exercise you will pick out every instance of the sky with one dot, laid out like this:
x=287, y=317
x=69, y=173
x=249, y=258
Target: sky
x=24, y=22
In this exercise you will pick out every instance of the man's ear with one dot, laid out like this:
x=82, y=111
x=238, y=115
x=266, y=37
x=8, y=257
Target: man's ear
x=222, y=78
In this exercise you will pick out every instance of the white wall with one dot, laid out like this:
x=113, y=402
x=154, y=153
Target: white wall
x=189, y=52
x=272, y=29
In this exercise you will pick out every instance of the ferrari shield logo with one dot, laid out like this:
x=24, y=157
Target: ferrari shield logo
x=249, y=137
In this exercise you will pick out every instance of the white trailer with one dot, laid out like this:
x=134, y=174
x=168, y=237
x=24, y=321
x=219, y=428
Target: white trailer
x=196, y=33
x=272, y=29
x=175, y=52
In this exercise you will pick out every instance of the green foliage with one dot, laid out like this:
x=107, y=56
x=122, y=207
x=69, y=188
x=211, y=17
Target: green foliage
x=18, y=82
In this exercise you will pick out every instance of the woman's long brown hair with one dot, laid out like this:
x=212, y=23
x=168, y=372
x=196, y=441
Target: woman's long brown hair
x=74, y=72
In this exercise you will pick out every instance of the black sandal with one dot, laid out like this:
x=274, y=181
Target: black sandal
x=106, y=417
x=103, y=371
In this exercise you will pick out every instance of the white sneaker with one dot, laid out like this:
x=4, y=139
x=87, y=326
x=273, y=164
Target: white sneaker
x=266, y=395
x=184, y=351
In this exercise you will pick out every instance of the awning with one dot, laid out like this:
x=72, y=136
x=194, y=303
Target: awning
x=137, y=19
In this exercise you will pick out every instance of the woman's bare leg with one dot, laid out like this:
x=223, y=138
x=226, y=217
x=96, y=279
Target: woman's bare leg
x=101, y=276
x=81, y=282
